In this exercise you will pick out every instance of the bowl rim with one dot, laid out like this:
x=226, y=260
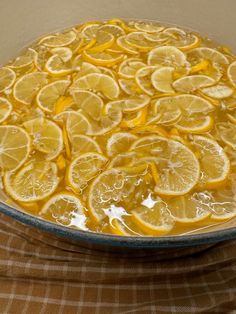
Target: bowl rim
x=132, y=242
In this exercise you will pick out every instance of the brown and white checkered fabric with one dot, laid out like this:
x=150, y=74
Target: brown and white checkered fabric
x=41, y=274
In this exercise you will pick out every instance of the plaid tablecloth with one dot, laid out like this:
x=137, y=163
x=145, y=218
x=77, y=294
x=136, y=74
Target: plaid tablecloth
x=43, y=274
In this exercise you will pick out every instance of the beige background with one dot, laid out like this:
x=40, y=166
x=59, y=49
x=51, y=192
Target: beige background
x=21, y=21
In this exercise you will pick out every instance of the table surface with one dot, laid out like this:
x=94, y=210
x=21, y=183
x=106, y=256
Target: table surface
x=43, y=274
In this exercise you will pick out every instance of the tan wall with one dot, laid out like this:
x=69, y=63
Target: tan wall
x=23, y=20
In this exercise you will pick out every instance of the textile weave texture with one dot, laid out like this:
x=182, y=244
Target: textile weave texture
x=40, y=273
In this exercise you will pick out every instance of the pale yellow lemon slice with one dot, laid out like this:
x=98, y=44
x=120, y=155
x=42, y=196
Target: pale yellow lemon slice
x=64, y=53
x=33, y=182
x=5, y=109
x=57, y=67
x=144, y=81
x=49, y=95
x=119, y=143
x=102, y=58
x=83, y=169
x=187, y=210
x=162, y=79
x=195, y=110
x=156, y=220
x=130, y=87
x=137, y=40
x=27, y=87
x=149, y=27
x=15, y=145
x=115, y=30
x=205, y=53
x=188, y=84
x=103, y=41
x=133, y=103
x=167, y=56
x=231, y=73
x=7, y=78
x=76, y=124
x=47, y=136
x=214, y=163
x=164, y=112
x=122, y=43
x=59, y=40
x=227, y=133
x=82, y=144
x=218, y=91
x=110, y=118
x=107, y=188
x=66, y=209
x=99, y=83
x=89, y=102
x=129, y=67
x=134, y=119
x=177, y=165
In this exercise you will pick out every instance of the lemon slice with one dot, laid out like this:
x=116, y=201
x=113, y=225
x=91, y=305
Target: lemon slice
x=24, y=61
x=164, y=112
x=227, y=133
x=195, y=110
x=47, y=136
x=59, y=40
x=5, y=109
x=148, y=27
x=34, y=182
x=7, y=78
x=215, y=165
x=109, y=119
x=119, y=143
x=205, y=53
x=65, y=209
x=15, y=147
x=64, y=53
x=179, y=38
x=122, y=43
x=130, y=87
x=167, y=56
x=177, y=165
x=89, y=102
x=155, y=220
x=143, y=79
x=50, y=94
x=137, y=40
x=105, y=190
x=133, y=103
x=162, y=79
x=82, y=144
x=83, y=69
x=125, y=227
x=129, y=67
x=76, y=124
x=102, y=58
x=219, y=91
x=134, y=119
x=191, y=83
x=56, y=66
x=231, y=73
x=123, y=160
x=90, y=30
x=99, y=83
x=107, y=71
x=28, y=85
x=187, y=210
x=104, y=41
x=83, y=169
x=115, y=30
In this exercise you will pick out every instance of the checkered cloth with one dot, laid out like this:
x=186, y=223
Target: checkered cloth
x=43, y=274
